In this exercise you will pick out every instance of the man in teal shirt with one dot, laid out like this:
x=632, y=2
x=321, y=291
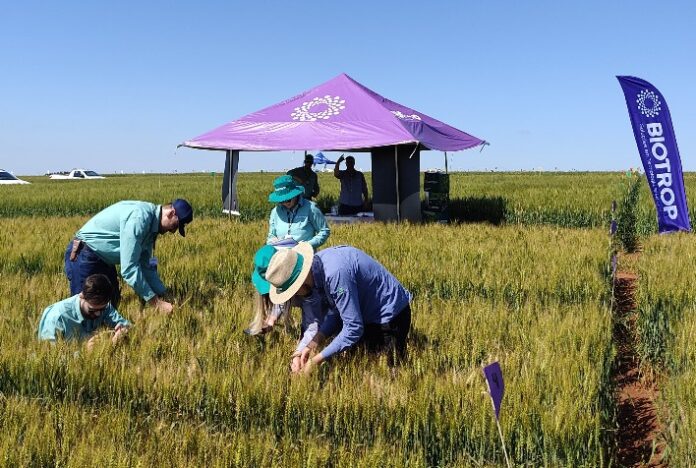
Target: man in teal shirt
x=80, y=316
x=125, y=233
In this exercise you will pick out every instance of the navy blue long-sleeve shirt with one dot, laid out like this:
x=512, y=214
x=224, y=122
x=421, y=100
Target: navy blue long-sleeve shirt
x=358, y=291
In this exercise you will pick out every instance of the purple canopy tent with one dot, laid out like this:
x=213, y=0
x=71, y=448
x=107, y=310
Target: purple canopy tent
x=343, y=115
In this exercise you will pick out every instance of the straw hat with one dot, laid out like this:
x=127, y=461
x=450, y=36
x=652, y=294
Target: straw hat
x=285, y=188
x=287, y=271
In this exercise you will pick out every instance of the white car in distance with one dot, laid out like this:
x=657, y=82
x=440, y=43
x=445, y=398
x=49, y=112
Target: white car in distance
x=77, y=174
x=7, y=178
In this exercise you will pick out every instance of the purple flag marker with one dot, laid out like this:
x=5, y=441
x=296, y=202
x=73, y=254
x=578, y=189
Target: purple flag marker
x=613, y=227
x=496, y=389
x=496, y=386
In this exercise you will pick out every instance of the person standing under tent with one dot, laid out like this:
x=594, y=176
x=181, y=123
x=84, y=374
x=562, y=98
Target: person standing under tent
x=306, y=177
x=354, y=196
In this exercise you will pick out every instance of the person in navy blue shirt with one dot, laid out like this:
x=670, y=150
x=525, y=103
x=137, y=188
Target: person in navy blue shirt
x=365, y=303
x=354, y=196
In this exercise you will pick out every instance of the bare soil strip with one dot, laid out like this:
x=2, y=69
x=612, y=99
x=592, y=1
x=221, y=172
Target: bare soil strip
x=638, y=437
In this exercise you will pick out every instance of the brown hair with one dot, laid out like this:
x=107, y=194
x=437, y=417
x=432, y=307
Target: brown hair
x=97, y=289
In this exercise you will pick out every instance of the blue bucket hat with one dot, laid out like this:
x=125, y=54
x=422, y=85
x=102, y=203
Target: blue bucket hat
x=261, y=260
x=185, y=213
x=285, y=188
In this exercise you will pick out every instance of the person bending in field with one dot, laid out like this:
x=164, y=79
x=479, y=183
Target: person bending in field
x=125, y=233
x=80, y=316
x=292, y=220
x=267, y=314
x=365, y=303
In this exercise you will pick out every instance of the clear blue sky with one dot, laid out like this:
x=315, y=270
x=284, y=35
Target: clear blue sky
x=117, y=85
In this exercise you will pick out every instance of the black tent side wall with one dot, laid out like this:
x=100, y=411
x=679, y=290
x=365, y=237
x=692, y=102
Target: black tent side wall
x=385, y=166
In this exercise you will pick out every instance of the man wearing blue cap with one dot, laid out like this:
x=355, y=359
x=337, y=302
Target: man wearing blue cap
x=125, y=233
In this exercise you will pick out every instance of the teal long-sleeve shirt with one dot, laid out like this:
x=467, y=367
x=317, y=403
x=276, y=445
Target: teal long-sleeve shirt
x=64, y=319
x=125, y=233
x=305, y=222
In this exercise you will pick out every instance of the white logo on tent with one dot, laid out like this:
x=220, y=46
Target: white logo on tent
x=403, y=116
x=319, y=108
x=648, y=103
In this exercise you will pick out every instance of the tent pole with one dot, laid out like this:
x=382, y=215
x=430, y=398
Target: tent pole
x=229, y=197
x=446, y=162
x=396, y=164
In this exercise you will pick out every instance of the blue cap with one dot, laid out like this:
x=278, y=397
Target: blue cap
x=184, y=211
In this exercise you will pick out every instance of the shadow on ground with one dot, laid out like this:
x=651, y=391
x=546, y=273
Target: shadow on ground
x=477, y=210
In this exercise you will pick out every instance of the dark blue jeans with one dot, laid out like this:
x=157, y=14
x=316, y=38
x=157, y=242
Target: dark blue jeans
x=390, y=337
x=88, y=263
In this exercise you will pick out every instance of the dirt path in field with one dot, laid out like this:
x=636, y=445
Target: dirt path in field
x=638, y=437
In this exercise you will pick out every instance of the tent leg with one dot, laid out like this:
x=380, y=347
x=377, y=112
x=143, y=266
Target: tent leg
x=398, y=201
x=229, y=212
x=229, y=184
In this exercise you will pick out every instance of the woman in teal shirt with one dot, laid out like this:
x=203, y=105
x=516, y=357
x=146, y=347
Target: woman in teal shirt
x=294, y=219
x=294, y=216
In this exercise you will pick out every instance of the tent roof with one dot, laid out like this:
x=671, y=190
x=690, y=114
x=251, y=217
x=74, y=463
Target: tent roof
x=339, y=115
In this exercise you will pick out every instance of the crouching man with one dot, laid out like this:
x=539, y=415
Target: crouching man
x=82, y=315
x=366, y=304
x=125, y=233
